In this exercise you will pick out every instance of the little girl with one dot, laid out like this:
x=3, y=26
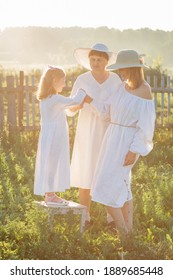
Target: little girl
x=52, y=169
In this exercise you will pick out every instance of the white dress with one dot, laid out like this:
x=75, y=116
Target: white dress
x=52, y=169
x=90, y=129
x=132, y=128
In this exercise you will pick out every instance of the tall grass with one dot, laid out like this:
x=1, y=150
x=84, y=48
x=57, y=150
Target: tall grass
x=24, y=229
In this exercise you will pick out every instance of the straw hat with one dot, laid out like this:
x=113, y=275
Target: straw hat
x=81, y=54
x=126, y=59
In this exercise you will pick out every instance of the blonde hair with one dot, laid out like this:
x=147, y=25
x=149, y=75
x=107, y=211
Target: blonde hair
x=135, y=77
x=45, y=87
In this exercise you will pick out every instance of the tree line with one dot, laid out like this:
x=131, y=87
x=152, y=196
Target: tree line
x=46, y=45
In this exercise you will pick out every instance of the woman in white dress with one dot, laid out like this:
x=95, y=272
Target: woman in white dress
x=131, y=116
x=52, y=169
x=100, y=84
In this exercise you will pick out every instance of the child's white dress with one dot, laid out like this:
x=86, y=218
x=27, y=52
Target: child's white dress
x=52, y=170
x=132, y=121
x=90, y=129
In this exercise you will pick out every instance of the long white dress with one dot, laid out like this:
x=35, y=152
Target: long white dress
x=90, y=129
x=132, y=121
x=52, y=169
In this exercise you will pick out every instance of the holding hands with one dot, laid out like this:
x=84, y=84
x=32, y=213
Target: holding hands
x=87, y=99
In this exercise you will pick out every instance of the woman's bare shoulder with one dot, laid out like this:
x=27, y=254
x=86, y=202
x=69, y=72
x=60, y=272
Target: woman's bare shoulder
x=145, y=91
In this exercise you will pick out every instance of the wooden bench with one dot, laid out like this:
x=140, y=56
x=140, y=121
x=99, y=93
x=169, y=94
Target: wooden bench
x=53, y=209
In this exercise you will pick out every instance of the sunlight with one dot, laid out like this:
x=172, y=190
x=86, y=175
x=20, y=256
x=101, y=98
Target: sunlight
x=66, y=13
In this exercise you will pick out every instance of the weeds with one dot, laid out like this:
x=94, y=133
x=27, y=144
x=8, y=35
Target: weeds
x=25, y=232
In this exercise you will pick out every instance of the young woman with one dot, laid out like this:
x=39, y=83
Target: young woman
x=131, y=114
x=52, y=169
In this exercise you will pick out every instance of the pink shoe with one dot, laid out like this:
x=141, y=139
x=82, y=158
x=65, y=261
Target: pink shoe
x=55, y=200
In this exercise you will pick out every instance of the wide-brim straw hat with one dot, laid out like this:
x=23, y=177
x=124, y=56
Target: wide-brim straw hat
x=81, y=54
x=127, y=59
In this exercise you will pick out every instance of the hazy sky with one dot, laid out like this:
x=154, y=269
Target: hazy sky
x=121, y=14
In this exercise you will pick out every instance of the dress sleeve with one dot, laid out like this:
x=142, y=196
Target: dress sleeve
x=75, y=88
x=143, y=139
x=67, y=102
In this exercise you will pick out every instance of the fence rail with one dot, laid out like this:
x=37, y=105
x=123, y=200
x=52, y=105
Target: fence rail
x=19, y=108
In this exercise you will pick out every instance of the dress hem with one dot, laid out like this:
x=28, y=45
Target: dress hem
x=54, y=191
x=111, y=205
x=80, y=187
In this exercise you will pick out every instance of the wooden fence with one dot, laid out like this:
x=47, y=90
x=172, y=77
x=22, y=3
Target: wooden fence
x=19, y=108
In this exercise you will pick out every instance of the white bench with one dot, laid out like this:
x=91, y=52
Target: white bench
x=53, y=209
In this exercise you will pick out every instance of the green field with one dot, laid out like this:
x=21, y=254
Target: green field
x=25, y=233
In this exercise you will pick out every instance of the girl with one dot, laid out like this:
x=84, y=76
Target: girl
x=52, y=170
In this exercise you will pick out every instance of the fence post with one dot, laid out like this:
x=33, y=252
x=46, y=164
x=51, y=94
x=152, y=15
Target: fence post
x=148, y=79
x=169, y=98
x=162, y=98
x=27, y=101
x=20, y=99
x=1, y=106
x=11, y=100
x=155, y=95
x=33, y=105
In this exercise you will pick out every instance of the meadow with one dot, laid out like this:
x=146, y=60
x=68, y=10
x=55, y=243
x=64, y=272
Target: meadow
x=24, y=229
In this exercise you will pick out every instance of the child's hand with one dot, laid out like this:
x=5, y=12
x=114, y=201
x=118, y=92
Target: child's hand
x=87, y=99
x=76, y=108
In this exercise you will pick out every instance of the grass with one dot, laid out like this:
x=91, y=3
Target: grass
x=25, y=233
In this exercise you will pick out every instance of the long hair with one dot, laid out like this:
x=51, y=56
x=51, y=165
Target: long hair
x=135, y=77
x=45, y=87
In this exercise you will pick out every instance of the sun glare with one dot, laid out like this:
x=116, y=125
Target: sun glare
x=113, y=14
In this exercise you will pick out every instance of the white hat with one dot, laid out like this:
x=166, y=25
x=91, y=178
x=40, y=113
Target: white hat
x=126, y=59
x=81, y=54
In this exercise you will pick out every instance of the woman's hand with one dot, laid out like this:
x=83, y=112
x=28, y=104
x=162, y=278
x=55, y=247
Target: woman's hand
x=130, y=158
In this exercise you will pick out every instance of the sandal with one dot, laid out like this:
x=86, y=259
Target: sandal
x=52, y=200
x=60, y=203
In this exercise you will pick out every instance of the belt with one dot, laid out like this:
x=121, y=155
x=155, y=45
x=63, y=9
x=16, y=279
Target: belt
x=130, y=126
